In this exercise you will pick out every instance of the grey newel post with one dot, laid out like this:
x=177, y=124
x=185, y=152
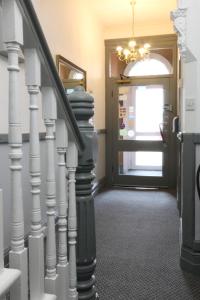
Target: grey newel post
x=82, y=105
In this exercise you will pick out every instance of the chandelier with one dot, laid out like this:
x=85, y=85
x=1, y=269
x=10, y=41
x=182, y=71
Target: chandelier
x=134, y=51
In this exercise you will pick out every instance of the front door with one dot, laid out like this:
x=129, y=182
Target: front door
x=141, y=132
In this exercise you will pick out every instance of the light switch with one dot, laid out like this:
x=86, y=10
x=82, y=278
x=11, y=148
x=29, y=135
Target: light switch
x=190, y=104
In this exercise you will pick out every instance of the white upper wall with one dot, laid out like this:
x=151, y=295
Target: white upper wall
x=123, y=31
x=147, y=12
x=190, y=44
x=76, y=30
x=151, y=17
x=73, y=31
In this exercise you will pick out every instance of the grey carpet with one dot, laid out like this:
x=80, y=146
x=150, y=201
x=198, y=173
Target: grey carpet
x=138, y=248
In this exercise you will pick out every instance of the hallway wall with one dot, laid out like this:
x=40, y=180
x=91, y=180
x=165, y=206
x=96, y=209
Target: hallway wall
x=76, y=34
x=73, y=31
x=122, y=31
x=191, y=69
x=145, y=23
x=186, y=19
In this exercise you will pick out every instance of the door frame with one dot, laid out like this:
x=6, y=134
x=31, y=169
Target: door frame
x=134, y=145
x=168, y=41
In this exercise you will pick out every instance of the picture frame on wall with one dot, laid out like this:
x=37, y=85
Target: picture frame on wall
x=70, y=74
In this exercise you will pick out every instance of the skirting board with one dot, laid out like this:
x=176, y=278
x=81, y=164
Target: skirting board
x=98, y=186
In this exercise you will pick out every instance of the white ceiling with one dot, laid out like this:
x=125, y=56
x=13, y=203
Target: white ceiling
x=115, y=12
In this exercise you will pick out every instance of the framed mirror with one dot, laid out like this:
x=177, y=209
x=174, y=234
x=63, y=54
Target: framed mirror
x=70, y=74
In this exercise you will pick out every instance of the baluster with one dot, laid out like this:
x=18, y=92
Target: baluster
x=36, y=238
x=49, y=116
x=63, y=266
x=36, y=251
x=13, y=38
x=72, y=161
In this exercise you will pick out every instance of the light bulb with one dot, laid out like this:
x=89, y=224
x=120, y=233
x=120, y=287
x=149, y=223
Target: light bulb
x=142, y=51
x=147, y=45
x=119, y=49
x=132, y=44
x=126, y=53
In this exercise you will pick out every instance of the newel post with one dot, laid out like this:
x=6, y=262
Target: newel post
x=82, y=105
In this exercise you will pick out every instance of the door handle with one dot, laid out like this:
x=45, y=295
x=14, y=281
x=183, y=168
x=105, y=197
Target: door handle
x=197, y=181
x=175, y=124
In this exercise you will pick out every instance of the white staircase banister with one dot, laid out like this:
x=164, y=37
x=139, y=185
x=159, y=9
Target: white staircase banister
x=23, y=38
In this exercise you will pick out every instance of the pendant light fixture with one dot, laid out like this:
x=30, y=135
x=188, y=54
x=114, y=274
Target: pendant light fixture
x=134, y=51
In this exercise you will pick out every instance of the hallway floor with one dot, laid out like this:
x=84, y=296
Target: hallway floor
x=138, y=248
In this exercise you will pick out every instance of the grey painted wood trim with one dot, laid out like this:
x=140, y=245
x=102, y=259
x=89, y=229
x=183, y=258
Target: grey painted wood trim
x=188, y=188
x=101, y=131
x=160, y=41
x=25, y=137
x=98, y=186
x=190, y=248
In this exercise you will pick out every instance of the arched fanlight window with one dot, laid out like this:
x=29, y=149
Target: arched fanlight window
x=156, y=64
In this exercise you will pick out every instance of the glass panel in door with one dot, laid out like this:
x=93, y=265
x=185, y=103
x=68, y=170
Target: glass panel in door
x=141, y=112
x=142, y=128
x=140, y=163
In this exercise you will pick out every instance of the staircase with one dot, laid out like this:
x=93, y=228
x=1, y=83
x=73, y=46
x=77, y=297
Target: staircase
x=41, y=271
